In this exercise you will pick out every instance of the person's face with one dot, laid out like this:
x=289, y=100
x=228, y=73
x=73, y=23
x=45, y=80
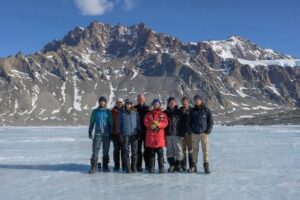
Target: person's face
x=185, y=103
x=128, y=105
x=172, y=104
x=156, y=105
x=198, y=102
x=119, y=104
x=102, y=104
x=141, y=99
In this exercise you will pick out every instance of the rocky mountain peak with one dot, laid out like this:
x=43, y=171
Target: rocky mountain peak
x=62, y=83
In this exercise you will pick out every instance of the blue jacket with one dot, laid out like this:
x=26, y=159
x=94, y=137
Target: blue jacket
x=200, y=120
x=128, y=122
x=102, y=118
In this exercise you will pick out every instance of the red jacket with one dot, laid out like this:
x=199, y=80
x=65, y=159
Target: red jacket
x=115, y=113
x=155, y=138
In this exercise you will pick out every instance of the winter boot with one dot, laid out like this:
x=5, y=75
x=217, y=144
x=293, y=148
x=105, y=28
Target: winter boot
x=116, y=168
x=94, y=167
x=105, y=164
x=139, y=162
x=206, y=168
x=178, y=167
x=190, y=162
x=152, y=166
x=171, y=162
x=184, y=163
x=192, y=169
x=133, y=164
x=161, y=163
x=117, y=162
x=193, y=166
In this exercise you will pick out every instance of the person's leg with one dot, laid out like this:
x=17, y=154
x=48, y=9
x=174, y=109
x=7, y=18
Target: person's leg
x=178, y=152
x=134, y=146
x=139, y=155
x=170, y=153
x=105, y=146
x=160, y=158
x=96, y=148
x=195, y=145
x=190, y=148
x=152, y=160
x=116, y=152
x=147, y=156
x=126, y=160
x=204, y=145
x=184, y=149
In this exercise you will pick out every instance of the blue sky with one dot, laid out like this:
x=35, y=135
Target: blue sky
x=27, y=25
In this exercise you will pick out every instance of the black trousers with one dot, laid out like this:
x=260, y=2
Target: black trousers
x=160, y=157
x=117, y=150
x=129, y=143
x=143, y=155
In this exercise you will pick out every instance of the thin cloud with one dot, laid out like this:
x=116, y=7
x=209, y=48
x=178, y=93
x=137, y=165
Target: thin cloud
x=101, y=7
x=129, y=4
x=94, y=7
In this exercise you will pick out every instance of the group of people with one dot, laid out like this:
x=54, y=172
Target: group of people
x=139, y=132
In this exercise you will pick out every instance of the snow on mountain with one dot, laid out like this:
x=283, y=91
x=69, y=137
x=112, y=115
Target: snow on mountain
x=249, y=53
x=61, y=83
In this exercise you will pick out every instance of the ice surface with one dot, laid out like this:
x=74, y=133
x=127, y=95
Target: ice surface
x=246, y=163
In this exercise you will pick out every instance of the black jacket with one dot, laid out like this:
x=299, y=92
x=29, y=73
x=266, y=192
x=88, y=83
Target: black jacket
x=173, y=128
x=200, y=120
x=142, y=111
x=183, y=121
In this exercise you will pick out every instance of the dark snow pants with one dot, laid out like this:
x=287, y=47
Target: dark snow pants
x=129, y=143
x=117, y=150
x=98, y=139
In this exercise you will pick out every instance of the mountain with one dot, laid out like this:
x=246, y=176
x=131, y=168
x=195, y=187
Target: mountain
x=61, y=84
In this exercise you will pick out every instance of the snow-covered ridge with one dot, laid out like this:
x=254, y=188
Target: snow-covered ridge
x=248, y=53
x=279, y=62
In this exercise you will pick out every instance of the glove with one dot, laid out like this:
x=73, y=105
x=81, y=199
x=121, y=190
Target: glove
x=91, y=135
x=153, y=126
x=156, y=123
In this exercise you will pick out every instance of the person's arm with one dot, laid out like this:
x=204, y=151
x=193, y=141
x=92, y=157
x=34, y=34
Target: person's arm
x=210, y=121
x=164, y=121
x=189, y=122
x=110, y=121
x=119, y=123
x=92, y=124
x=138, y=122
x=147, y=121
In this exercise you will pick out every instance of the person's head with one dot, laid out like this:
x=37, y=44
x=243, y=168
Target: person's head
x=128, y=104
x=156, y=104
x=172, y=102
x=141, y=99
x=185, y=102
x=198, y=100
x=102, y=102
x=119, y=103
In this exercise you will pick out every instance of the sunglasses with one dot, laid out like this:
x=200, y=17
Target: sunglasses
x=129, y=103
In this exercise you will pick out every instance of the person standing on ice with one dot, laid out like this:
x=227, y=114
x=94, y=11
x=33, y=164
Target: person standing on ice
x=142, y=109
x=183, y=128
x=174, y=137
x=200, y=124
x=129, y=126
x=101, y=119
x=155, y=122
x=116, y=135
